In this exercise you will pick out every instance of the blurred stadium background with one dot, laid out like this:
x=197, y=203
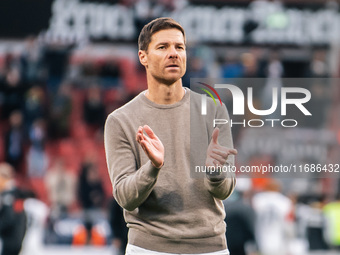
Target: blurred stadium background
x=66, y=64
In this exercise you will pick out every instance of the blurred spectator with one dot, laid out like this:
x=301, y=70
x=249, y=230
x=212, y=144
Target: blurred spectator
x=59, y=122
x=274, y=220
x=318, y=65
x=274, y=73
x=37, y=158
x=34, y=107
x=332, y=213
x=55, y=58
x=89, y=69
x=12, y=214
x=208, y=58
x=196, y=69
x=31, y=61
x=11, y=61
x=37, y=213
x=318, y=104
x=61, y=186
x=251, y=70
x=311, y=223
x=250, y=65
x=14, y=141
x=118, y=226
x=110, y=73
x=91, y=195
x=115, y=98
x=12, y=91
x=240, y=219
x=91, y=192
x=232, y=68
x=274, y=68
x=94, y=109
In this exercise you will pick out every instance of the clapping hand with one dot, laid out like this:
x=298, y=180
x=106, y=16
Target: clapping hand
x=152, y=146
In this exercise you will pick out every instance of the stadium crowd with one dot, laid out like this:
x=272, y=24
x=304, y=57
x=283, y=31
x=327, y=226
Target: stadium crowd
x=54, y=99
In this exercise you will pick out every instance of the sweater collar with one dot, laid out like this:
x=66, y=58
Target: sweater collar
x=165, y=106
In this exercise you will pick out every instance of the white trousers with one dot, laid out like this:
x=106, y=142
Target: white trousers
x=135, y=250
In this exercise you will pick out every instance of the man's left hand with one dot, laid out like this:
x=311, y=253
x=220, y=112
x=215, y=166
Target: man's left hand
x=217, y=154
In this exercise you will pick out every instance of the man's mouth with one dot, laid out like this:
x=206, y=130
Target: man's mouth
x=172, y=65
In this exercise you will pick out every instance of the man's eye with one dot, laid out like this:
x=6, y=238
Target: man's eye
x=161, y=47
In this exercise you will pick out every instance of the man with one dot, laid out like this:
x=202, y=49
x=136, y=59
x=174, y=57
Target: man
x=274, y=222
x=241, y=220
x=12, y=215
x=147, y=145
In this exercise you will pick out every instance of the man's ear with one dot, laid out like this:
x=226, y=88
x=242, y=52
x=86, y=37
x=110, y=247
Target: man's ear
x=143, y=58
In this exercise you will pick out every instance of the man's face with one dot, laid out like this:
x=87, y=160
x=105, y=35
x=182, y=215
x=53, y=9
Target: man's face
x=165, y=59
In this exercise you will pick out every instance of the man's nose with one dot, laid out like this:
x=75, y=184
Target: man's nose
x=173, y=52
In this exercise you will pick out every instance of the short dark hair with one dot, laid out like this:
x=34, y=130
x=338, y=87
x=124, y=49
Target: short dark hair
x=154, y=26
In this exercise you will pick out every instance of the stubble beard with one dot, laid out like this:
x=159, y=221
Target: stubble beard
x=168, y=81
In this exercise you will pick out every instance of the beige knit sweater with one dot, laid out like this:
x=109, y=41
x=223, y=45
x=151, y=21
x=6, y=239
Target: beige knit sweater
x=168, y=209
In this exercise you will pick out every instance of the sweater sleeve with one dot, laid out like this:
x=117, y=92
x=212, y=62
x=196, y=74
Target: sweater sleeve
x=222, y=186
x=131, y=186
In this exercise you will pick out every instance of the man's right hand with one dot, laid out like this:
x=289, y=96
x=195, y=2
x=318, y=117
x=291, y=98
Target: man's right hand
x=151, y=145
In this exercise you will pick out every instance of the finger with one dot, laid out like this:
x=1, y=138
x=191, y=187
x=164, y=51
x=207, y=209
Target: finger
x=233, y=151
x=139, y=138
x=146, y=138
x=220, y=159
x=138, y=134
x=223, y=154
x=215, y=135
x=149, y=132
x=145, y=147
